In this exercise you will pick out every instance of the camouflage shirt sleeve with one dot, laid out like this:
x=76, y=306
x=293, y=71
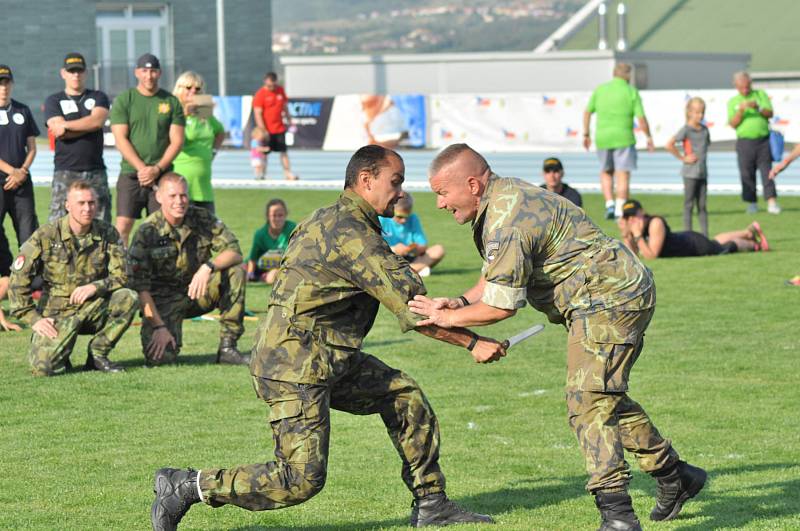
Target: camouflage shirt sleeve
x=117, y=273
x=139, y=261
x=27, y=265
x=223, y=239
x=507, y=271
x=386, y=277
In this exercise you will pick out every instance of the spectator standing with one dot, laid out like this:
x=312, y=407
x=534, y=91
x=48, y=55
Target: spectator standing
x=553, y=173
x=403, y=232
x=694, y=139
x=5, y=271
x=748, y=113
x=148, y=125
x=271, y=114
x=269, y=243
x=18, y=134
x=616, y=104
x=75, y=117
x=203, y=136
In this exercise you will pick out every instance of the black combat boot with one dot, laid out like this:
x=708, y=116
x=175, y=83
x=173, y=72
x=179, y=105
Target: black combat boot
x=674, y=487
x=229, y=354
x=616, y=508
x=437, y=509
x=176, y=491
x=101, y=363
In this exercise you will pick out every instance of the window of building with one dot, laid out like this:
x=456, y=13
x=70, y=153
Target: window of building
x=124, y=32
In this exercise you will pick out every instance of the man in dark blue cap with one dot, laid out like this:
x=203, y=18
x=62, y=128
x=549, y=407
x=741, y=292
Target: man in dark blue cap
x=147, y=123
x=76, y=116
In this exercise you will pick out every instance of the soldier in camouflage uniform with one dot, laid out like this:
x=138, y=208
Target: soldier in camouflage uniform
x=81, y=262
x=183, y=262
x=540, y=248
x=335, y=273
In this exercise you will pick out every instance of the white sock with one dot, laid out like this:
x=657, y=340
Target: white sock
x=618, y=207
x=197, y=483
x=609, y=203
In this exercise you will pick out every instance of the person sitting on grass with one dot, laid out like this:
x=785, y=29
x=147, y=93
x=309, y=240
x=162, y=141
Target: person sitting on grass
x=269, y=243
x=651, y=237
x=404, y=234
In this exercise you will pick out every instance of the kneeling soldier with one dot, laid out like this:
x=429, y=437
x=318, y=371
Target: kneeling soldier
x=81, y=262
x=172, y=269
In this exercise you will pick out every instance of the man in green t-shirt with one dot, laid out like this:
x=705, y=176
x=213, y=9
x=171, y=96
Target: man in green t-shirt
x=147, y=123
x=616, y=103
x=749, y=113
x=269, y=243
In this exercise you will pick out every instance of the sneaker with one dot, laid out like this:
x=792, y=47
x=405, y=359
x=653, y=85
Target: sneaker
x=773, y=208
x=752, y=208
x=610, y=212
x=425, y=272
x=438, y=510
x=758, y=235
x=176, y=492
x=794, y=281
x=675, y=488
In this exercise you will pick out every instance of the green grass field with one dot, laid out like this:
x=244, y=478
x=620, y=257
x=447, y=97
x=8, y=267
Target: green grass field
x=718, y=376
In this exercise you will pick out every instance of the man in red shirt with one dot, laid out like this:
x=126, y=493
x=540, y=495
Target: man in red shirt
x=272, y=115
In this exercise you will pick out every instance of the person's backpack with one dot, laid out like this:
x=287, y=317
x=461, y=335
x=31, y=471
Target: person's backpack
x=776, y=145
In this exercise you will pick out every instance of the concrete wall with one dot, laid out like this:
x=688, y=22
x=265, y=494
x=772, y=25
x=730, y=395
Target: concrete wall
x=39, y=33
x=501, y=72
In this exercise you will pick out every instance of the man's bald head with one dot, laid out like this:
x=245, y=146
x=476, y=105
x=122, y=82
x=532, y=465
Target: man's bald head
x=460, y=160
x=459, y=176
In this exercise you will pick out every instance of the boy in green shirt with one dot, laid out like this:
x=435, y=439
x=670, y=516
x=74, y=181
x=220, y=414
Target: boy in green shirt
x=147, y=123
x=269, y=243
x=749, y=113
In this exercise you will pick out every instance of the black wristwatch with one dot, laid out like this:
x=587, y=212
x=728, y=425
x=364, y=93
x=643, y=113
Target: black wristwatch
x=211, y=266
x=473, y=342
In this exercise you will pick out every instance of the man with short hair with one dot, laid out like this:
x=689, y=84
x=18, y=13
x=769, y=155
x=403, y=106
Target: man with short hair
x=553, y=173
x=271, y=114
x=184, y=263
x=336, y=272
x=148, y=124
x=76, y=116
x=616, y=104
x=18, y=133
x=540, y=249
x=749, y=113
x=82, y=266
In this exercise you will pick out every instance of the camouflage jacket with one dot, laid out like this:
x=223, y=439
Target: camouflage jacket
x=540, y=247
x=163, y=259
x=65, y=261
x=335, y=273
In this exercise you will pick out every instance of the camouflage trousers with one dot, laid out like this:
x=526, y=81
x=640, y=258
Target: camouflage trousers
x=61, y=181
x=601, y=351
x=300, y=420
x=107, y=318
x=225, y=291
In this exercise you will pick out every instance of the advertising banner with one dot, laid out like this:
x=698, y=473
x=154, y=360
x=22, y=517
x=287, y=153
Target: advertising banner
x=393, y=121
x=309, y=122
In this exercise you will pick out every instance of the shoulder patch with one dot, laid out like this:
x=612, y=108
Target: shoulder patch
x=491, y=250
x=19, y=262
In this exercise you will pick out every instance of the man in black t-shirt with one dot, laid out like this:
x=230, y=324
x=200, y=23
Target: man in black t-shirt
x=553, y=172
x=18, y=134
x=76, y=116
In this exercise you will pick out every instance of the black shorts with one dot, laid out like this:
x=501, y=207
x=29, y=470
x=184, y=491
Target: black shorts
x=132, y=197
x=277, y=142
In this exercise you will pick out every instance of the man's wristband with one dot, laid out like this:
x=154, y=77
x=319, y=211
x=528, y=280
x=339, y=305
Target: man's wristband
x=473, y=342
x=211, y=266
x=464, y=301
x=154, y=328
